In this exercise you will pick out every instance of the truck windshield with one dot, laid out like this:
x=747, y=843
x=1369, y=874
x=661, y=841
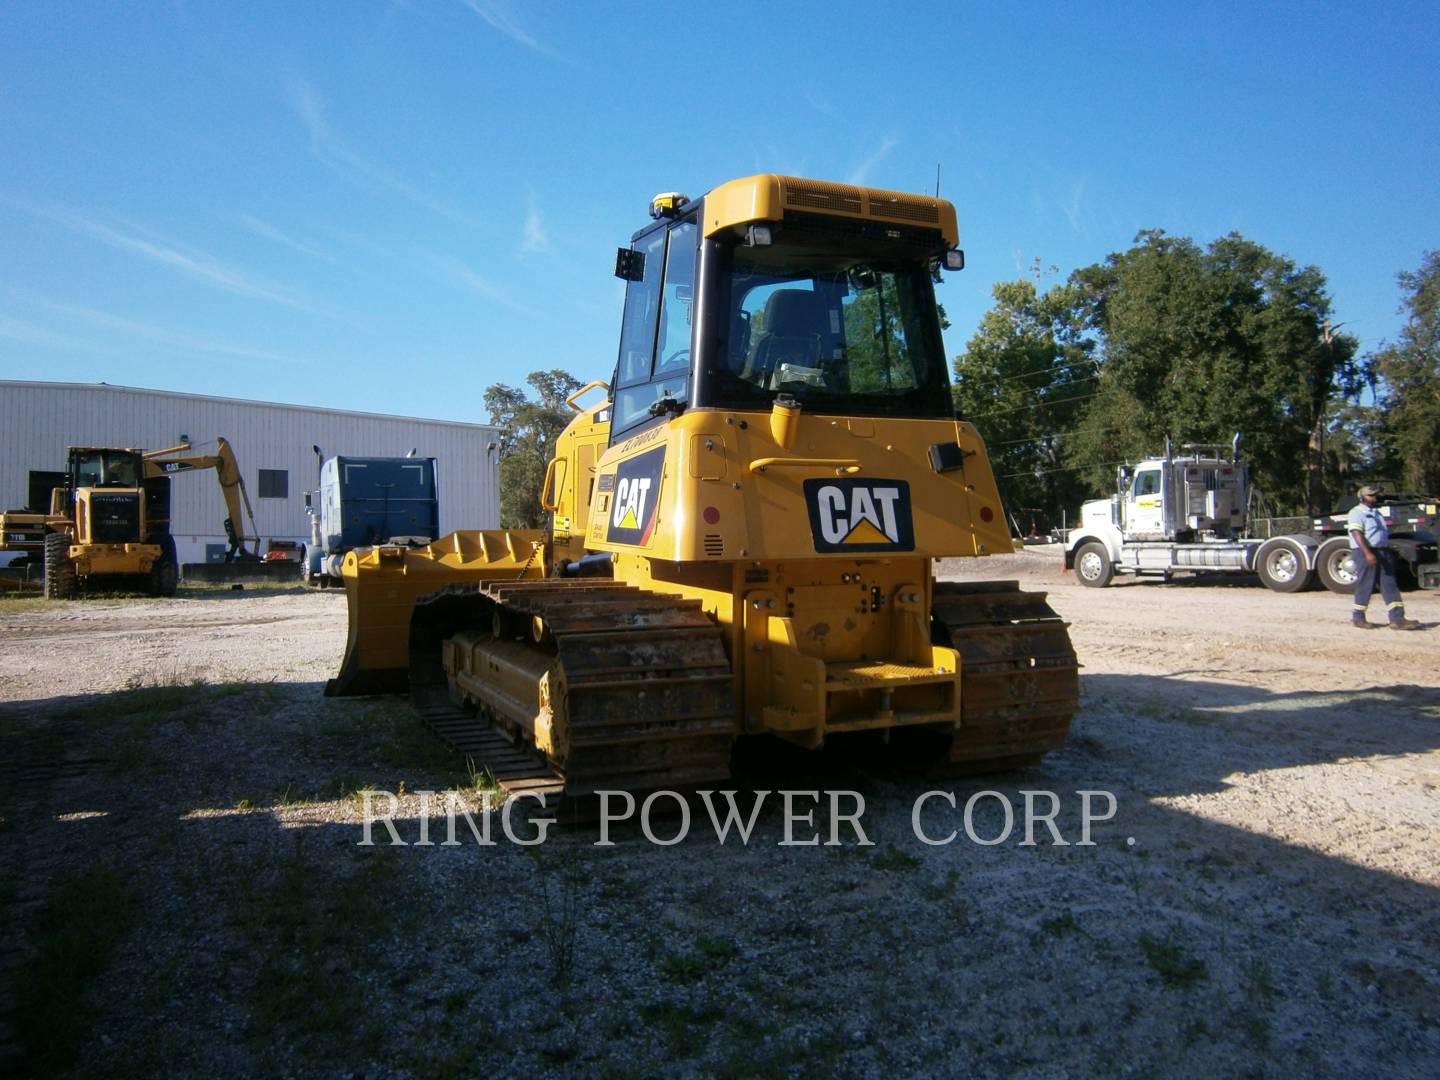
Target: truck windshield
x=843, y=324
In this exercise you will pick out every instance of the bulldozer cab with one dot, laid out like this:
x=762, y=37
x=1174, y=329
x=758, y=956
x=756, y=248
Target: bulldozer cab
x=838, y=315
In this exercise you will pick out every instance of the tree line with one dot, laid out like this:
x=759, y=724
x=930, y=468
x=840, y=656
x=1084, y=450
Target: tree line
x=1167, y=339
x=1171, y=340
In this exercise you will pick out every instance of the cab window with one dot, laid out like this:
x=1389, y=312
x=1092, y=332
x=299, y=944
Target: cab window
x=1147, y=482
x=659, y=317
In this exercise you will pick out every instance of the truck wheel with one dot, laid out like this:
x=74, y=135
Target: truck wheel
x=1093, y=566
x=1282, y=567
x=305, y=575
x=1335, y=566
x=59, y=583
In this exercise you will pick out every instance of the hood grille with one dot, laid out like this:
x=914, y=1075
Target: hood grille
x=846, y=199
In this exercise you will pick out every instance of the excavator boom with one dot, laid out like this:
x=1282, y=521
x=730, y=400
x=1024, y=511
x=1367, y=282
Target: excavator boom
x=174, y=459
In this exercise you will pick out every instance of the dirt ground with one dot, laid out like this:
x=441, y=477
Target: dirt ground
x=184, y=891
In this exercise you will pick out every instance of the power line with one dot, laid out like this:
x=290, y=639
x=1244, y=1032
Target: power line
x=1036, y=405
x=1046, y=370
x=1060, y=435
x=1063, y=468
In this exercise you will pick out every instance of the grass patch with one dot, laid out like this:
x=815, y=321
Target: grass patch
x=316, y=933
x=1061, y=925
x=1176, y=967
x=681, y=1025
x=78, y=927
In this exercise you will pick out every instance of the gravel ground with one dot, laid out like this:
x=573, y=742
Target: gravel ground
x=184, y=890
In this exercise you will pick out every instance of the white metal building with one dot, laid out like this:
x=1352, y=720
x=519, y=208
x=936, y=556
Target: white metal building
x=272, y=443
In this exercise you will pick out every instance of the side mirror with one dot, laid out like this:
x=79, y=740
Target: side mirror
x=629, y=264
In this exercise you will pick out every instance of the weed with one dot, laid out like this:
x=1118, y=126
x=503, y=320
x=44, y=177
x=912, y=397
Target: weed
x=1256, y=1028
x=1259, y=984
x=936, y=891
x=717, y=948
x=559, y=913
x=1061, y=925
x=244, y=804
x=675, y=1021
x=1176, y=968
x=685, y=967
x=892, y=858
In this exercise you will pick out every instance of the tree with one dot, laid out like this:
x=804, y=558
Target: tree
x=1022, y=381
x=1199, y=344
x=1408, y=381
x=528, y=430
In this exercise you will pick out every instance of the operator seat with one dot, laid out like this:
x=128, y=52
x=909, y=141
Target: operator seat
x=794, y=333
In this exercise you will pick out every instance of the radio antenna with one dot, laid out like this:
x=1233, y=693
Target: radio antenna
x=937, y=180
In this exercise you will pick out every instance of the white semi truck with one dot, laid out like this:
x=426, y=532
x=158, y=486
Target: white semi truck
x=1190, y=513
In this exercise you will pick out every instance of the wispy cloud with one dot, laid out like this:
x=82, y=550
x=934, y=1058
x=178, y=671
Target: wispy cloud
x=499, y=17
x=28, y=333
x=820, y=104
x=181, y=258
x=458, y=274
x=862, y=174
x=536, y=240
x=271, y=233
x=1074, y=207
x=158, y=335
x=333, y=151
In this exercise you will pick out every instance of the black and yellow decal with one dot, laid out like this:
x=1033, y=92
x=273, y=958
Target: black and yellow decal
x=637, y=498
x=851, y=514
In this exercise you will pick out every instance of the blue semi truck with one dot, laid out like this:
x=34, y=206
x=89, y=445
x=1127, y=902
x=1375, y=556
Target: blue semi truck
x=364, y=501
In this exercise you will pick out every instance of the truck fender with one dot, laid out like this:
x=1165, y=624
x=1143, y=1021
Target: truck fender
x=1105, y=534
x=1309, y=546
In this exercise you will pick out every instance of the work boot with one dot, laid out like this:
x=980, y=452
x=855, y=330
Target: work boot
x=1364, y=624
x=1403, y=623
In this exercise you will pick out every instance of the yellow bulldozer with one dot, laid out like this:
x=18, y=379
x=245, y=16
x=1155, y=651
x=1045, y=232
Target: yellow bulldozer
x=109, y=518
x=743, y=531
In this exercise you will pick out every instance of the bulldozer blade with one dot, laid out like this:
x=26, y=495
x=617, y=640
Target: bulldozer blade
x=382, y=585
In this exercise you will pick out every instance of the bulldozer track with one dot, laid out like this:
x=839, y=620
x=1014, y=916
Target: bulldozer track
x=648, y=702
x=1019, y=677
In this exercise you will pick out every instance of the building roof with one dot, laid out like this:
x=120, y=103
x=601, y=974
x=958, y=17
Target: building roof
x=34, y=385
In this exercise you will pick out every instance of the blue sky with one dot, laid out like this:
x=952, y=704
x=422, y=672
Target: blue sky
x=390, y=206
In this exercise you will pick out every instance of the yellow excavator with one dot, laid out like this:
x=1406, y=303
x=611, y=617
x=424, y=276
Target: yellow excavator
x=110, y=518
x=743, y=531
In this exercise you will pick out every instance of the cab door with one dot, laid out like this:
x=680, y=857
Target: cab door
x=1145, y=517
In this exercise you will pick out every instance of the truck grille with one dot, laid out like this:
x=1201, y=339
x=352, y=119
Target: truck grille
x=115, y=519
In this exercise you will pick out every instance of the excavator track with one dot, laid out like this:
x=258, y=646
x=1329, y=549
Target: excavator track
x=639, y=687
x=1019, y=677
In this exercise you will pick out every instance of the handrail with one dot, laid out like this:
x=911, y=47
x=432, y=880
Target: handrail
x=842, y=466
x=586, y=389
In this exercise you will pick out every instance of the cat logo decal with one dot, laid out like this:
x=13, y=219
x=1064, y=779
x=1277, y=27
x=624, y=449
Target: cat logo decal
x=850, y=514
x=634, y=508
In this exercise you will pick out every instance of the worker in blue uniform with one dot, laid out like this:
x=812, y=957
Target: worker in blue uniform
x=1374, y=563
